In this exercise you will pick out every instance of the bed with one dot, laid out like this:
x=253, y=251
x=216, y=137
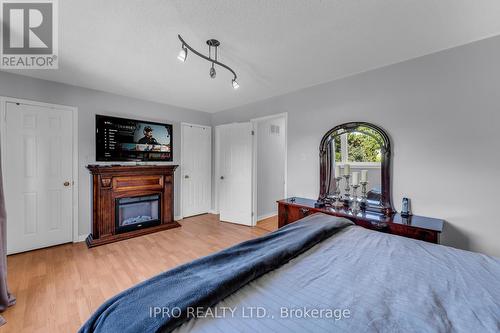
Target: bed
x=320, y=274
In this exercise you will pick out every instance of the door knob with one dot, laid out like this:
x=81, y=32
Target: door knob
x=186, y=176
x=66, y=183
x=221, y=177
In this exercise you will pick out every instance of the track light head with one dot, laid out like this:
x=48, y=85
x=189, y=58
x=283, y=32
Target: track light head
x=213, y=73
x=183, y=54
x=235, y=84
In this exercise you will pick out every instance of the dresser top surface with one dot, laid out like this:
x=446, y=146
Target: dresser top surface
x=414, y=221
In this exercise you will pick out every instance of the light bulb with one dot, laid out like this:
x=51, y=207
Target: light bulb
x=213, y=73
x=183, y=54
x=235, y=84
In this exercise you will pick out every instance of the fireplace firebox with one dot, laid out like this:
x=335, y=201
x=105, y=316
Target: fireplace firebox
x=134, y=213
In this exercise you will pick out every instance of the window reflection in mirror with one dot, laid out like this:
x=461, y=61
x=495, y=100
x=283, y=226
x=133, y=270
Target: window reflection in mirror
x=362, y=150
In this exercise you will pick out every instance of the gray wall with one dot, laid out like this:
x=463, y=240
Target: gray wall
x=89, y=103
x=442, y=112
x=270, y=166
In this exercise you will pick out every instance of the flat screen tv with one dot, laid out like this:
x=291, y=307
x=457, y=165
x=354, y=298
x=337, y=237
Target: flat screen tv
x=120, y=139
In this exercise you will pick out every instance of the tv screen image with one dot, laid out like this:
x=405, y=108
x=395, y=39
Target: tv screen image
x=120, y=139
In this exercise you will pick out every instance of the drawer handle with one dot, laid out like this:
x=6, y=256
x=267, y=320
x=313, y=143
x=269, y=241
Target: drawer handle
x=304, y=210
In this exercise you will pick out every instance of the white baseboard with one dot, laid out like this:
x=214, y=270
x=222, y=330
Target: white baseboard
x=177, y=218
x=81, y=238
x=266, y=216
x=213, y=211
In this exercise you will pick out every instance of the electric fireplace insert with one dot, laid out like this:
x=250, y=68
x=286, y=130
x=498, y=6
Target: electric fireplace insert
x=139, y=212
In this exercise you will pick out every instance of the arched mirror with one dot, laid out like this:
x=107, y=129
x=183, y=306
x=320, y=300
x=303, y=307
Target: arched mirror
x=355, y=165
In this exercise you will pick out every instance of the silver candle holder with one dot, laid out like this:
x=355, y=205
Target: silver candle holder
x=347, y=189
x=355, y=203
x=364, y=196
x=337, y=192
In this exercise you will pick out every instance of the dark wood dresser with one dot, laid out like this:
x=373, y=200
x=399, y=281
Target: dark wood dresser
x=417, y=227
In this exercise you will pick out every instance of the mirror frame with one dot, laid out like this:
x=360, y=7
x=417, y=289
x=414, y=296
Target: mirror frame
x=327, y=182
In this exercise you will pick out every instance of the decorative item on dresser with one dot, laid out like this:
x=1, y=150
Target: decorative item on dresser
x=417, y=227
x=365, y=147
x=130, y=201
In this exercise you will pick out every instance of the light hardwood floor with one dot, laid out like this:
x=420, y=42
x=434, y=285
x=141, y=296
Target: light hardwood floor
x=58, y=288
x=270, y=224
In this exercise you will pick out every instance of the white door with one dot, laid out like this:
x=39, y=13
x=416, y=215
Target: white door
x=38, y=176
x=235, y=173
x=196, y=154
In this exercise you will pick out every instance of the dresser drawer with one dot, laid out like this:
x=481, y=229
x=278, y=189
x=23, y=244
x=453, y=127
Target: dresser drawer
x=415, y=233
x=288, y=214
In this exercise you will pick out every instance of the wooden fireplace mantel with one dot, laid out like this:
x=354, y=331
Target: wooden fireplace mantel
x=111, y=182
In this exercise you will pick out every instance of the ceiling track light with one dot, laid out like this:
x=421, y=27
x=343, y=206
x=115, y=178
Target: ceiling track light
x=212, y=43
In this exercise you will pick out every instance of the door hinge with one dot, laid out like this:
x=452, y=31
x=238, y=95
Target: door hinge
x=253, y=132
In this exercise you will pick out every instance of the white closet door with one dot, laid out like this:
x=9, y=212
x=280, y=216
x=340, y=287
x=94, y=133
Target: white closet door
x=38, y=176
x=196, y=169
x=235, y=173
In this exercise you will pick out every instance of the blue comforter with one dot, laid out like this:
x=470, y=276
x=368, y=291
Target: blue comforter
x=162, y=302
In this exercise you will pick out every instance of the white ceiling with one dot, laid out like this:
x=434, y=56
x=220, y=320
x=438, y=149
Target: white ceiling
x=275, y=46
